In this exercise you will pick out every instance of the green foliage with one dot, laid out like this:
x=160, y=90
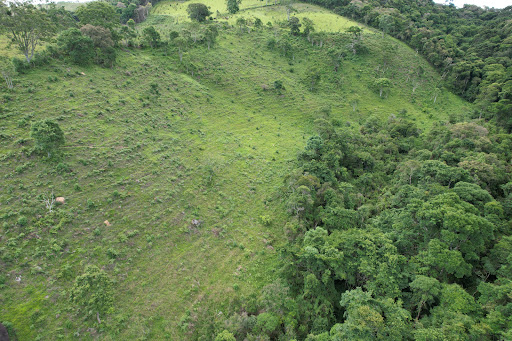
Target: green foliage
x=93, y=292
x=225, y=336
x=47, y=135
x=151, y=36
x=7, y=71
x=294, y=25
x=312, y=78
x=26, y=25
x=131, y=23
x=77, y=46
x=211, y=33
x=233, y=6
x=198, y=12
x=374, y=202
x=382, y=85
x=98, y=13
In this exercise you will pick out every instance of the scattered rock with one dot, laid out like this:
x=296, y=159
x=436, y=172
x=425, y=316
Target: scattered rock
x=18, y=279
x=107, y=223
x=60, y=200
x=83, y=74
x=196, y=223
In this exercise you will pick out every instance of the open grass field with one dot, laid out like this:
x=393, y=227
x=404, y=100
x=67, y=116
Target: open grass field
x=153, y=144
x=325, y=20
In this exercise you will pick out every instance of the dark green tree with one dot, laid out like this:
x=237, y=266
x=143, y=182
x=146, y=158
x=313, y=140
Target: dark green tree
x=233, y=6
x=309, y=27
x=151, y=36
x=47, y=135
x=198, y=12
x=93, y=291
x=78, y=47
x=294, y=25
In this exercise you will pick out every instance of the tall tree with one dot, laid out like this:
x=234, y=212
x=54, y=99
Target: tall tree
x=26, y=25
x=198, y=12
x=233, y=6
x=210, y=35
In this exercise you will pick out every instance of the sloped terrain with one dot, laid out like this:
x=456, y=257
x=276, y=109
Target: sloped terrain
x=154, y=144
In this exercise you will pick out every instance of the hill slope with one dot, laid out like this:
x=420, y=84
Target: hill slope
x=154, y=144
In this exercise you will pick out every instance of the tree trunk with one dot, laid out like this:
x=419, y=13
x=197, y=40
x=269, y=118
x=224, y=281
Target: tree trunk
x=419, y=310
x=8, y=80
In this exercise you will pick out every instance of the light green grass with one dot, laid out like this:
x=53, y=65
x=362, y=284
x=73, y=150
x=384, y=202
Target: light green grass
x=213, y=146
x=325, y=21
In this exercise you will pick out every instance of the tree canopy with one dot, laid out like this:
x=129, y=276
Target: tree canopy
x=26, y=25
x=198, y=12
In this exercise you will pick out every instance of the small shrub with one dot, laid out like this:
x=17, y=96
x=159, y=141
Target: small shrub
x=22, y=221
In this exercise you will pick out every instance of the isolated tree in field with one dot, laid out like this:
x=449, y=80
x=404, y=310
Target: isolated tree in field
x=309, y=27
x=93, y=291
x=7, y=71
x=355, y=41
x=47, y=135
x=233, y=6
x=26, y=26
x=258, y=23
x=382, y=84
x=313, y=78
x=181, y=43
x=241, y=23
x=210, y=35
x=151, y=36
x=198, y=12
x=294, y=25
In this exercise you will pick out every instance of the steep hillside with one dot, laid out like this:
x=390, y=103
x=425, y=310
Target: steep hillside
x=171, y=171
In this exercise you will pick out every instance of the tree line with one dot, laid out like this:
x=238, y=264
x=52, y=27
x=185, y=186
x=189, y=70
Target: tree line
x=471, y=47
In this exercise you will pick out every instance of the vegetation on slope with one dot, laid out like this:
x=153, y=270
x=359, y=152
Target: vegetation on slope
x=173, y=166
x=471, y=46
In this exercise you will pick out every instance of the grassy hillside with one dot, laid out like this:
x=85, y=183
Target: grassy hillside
x=153, y=144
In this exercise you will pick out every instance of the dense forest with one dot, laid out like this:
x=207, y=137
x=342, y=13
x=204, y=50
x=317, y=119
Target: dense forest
x=267, y=172
x=396, y=235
